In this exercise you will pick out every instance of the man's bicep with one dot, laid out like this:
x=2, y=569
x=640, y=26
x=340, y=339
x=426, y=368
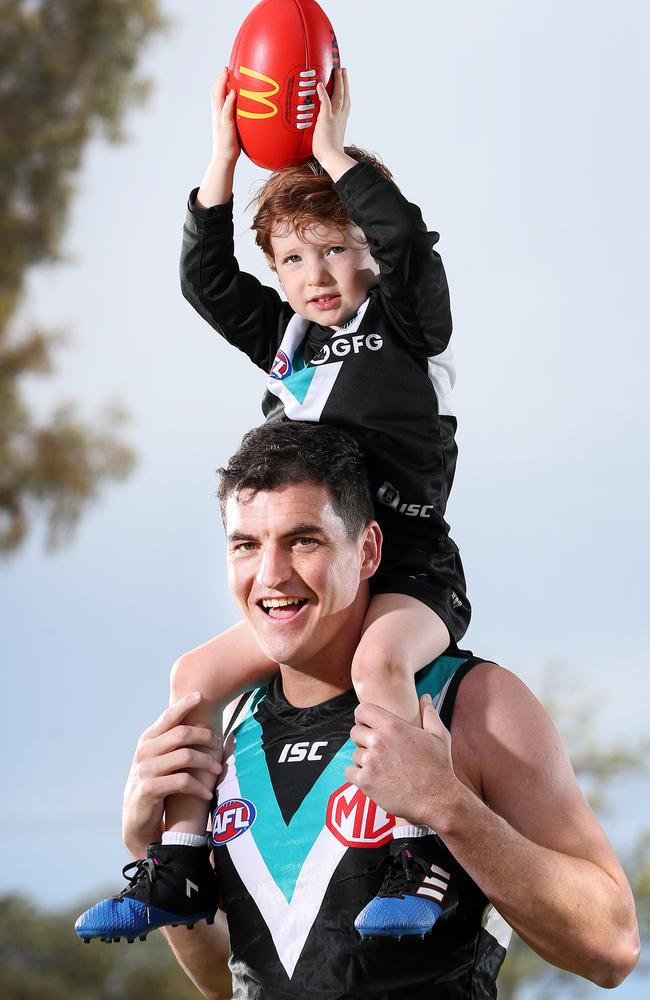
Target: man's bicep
x=518, y=759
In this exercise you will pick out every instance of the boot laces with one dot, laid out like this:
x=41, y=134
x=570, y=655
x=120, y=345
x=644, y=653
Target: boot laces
x=404, y=869
x=145, y=873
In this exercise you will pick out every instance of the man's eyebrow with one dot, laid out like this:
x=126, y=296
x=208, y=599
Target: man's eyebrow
x=240, y=536
x=304, y=528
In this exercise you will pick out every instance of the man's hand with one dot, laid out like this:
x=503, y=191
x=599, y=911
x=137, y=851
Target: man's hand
x=166, y=752
x=329, y=131
x=408, y=771
x=216, y=186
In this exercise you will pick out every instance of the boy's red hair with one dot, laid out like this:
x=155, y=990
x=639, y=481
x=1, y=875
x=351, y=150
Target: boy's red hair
x=301, y=198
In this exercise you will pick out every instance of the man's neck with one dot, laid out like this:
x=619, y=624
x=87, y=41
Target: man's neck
x=304, y=689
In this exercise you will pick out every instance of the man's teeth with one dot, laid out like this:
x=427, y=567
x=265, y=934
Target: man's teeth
x=280, y=602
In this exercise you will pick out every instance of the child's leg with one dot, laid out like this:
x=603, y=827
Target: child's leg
x=176, y=883
x=220, y=669
x=400, y=636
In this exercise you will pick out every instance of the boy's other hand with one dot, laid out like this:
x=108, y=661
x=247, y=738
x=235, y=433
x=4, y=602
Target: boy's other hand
x=329, y=131
x=216, y=186
x=225, y=141
x=165, y=755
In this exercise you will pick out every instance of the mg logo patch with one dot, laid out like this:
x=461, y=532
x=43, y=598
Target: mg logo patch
x=231, y=819
x=356, y=820
x=281, y=367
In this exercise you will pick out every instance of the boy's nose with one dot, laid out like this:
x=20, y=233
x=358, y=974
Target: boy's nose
x=318, y=274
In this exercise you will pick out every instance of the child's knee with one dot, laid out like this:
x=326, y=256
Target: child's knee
x=377, y=664
x=183, y=678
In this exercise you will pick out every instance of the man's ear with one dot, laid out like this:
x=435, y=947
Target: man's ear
x=370, y=550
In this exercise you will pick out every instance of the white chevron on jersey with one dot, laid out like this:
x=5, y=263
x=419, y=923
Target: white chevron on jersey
x=324, y=376
x=288, y=922
x=442, y=373
x=495, y=925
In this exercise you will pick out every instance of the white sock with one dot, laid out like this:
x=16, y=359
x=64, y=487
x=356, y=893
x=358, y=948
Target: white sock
x=188, y=839
x=411, y=831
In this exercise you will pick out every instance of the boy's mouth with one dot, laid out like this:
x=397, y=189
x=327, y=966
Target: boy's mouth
x=325, y=301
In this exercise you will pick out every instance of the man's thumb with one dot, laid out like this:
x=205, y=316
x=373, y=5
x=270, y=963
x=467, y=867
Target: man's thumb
x=428, y=713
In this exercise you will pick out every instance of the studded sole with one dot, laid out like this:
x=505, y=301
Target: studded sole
x=143, y=937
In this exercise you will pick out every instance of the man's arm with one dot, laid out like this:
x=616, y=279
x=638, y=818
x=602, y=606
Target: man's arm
x=166, y=754
x=501, y=793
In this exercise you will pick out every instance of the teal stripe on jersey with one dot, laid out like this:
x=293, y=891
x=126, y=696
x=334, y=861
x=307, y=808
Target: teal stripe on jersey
x=301, y=378
x=436, y=674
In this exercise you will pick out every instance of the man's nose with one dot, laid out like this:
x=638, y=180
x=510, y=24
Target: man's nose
x=275, y=568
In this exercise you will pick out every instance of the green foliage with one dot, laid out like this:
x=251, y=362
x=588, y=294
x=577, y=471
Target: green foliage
x=41, y=958
x=67, y=70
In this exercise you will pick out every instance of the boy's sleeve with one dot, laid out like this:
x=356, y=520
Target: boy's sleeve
x=412, y=280
x=249, y=315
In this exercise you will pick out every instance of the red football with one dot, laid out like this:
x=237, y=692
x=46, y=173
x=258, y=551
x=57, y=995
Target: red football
x=282, y=50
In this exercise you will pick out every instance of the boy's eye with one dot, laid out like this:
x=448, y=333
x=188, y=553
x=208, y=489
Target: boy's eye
x=293, y=259
x=336, y=250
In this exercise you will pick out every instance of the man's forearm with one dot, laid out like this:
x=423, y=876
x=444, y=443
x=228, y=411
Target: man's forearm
x=202, y=954
x=564, y=907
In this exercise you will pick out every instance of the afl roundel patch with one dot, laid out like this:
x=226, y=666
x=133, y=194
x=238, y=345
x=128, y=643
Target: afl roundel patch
x=232, y=818
x=281, y=367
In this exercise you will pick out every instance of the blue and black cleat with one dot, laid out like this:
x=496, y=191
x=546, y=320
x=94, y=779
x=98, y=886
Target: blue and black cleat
x=174, y=885
x=414, y=894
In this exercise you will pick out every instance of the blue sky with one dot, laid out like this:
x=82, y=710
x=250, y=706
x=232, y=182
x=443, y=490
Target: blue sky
x=521, y=131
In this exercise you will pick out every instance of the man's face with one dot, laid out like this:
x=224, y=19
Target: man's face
x=294, y=572
x=327, y=275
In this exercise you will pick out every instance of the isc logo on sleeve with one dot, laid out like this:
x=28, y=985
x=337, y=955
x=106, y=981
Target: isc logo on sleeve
x=232, y=818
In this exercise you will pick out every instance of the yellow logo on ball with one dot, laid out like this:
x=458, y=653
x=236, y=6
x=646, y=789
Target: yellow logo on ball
x=261, y=96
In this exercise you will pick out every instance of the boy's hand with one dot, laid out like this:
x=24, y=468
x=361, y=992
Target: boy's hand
x=216, y=186
x=329, y=131
x=165, y=755
x=225, y=141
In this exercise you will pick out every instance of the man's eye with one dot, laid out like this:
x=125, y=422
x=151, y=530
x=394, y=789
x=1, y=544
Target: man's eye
x=244, y=547
x=304, y=542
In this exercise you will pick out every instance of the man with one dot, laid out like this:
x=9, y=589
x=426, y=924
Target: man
x=302, y=823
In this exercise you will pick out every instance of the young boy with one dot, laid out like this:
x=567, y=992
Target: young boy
x=361, y=342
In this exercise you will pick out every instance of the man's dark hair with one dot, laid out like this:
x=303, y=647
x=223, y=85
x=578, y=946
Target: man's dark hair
x=288, y=451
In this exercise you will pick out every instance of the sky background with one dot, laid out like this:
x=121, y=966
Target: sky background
x=522, y=132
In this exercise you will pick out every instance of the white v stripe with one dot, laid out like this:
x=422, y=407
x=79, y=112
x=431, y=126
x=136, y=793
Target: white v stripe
x=289, y=923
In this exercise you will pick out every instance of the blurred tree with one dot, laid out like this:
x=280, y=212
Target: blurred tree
x=602, y=769
x=41, y=958
x=67, y=71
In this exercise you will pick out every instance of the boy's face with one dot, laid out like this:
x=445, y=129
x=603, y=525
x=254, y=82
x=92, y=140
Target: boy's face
x=327, y=275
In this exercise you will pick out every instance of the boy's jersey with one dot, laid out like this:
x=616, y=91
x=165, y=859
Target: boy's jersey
x=298, y=854
x=386, y=377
